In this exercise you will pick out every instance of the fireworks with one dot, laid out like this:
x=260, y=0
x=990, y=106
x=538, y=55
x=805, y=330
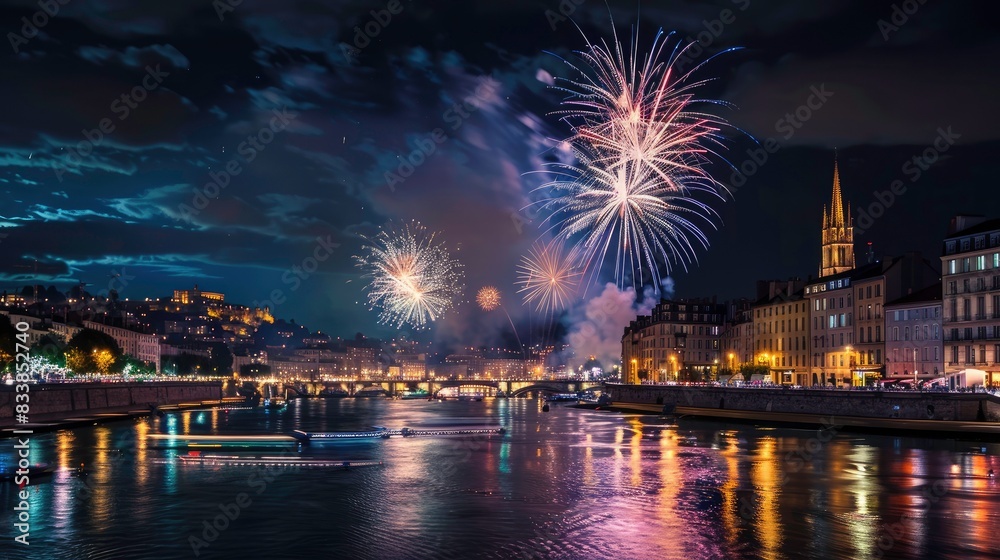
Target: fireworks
x=413, y=278
x=547, y=277
x=488, y=298
x=640, y=151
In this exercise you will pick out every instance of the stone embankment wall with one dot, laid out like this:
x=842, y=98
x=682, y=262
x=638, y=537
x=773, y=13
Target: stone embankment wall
x=74, y=398
x=874, y=404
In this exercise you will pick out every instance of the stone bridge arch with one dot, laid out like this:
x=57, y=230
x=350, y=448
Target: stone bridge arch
x=539, y=387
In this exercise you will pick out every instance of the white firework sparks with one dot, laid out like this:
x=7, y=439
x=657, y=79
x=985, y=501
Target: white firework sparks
x=413, y=278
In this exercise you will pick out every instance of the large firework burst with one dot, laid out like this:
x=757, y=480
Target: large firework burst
x=413, y=277
x=547, y=277
x=640, y=150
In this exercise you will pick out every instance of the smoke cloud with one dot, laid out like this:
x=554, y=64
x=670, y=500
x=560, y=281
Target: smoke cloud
x=596, y=327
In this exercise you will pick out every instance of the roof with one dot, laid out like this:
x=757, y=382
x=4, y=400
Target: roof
x=859, y=273
x=988, y=225
x=930, y=294
x=781, y=297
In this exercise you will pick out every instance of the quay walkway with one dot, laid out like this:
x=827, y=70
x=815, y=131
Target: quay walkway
x=989, y=431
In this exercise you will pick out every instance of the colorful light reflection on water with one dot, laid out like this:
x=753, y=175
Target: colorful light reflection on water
x=563, y=484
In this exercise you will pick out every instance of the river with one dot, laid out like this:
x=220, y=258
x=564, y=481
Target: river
x=567, y=483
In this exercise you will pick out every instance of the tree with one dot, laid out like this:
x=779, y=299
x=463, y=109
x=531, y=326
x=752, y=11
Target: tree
x=8, y=340
x=103, y=361
x=185, y=364
x=92, y=351
x=748, y=369
x=131, y=366
x=50, y=349
x=221, y=361
x=77, y=361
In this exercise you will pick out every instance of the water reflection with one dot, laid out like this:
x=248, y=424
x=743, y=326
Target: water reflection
x=561, y=484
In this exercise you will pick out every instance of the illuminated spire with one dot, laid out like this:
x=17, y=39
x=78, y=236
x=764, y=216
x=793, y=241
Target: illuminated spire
x=837, y=205
x=838, y=233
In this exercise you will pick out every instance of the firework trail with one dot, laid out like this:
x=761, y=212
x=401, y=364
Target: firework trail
x=640, y=150
x=413, y=278
x=489, y=298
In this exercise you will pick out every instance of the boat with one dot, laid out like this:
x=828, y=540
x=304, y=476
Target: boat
x=274, y=404
x=370, y=392
x=562, y=397
x=341, y=436
x=333, y=394
x=418, y=394
x=237, y=403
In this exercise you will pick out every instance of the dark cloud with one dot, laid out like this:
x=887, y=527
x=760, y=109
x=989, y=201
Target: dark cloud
x=364, y=95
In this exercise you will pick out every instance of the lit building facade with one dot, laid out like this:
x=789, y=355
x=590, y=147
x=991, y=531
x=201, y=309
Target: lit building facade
x=914, y=342
x=678, y=341
x=971, y=297
x=831, y=324
x=737, y=340
x=196, y=297
x=141, y=346
x=781, y=322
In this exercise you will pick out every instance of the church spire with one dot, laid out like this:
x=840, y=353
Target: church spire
x=837, y=204
x=838, y=233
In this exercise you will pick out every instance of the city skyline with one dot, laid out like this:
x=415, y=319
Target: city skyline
x=313, y=181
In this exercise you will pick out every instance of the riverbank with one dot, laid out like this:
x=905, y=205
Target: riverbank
x=889, y=405
x=66, y=405
x=980, y=431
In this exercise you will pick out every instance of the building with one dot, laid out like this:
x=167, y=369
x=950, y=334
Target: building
x=254, y=357
x=495, y=364
x=678, y=341
x=913, y=347
x=737, y=338
x=631, y=339
x=64, y=331
x=141, y=346
x=781, y=331
x=848, y=342
x=411, y=366
x=362, y=359
x=837, y=234
x=196, y=297
x=971, y=298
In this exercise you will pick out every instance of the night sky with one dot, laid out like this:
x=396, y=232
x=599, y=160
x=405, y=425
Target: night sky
x=339, y=112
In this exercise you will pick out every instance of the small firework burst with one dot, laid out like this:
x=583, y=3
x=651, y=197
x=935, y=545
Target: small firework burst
x=488, y=298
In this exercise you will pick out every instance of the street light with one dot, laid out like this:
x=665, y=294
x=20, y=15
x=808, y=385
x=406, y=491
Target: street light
x=852, y=363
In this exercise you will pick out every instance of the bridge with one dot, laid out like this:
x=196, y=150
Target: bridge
x=510, y=387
